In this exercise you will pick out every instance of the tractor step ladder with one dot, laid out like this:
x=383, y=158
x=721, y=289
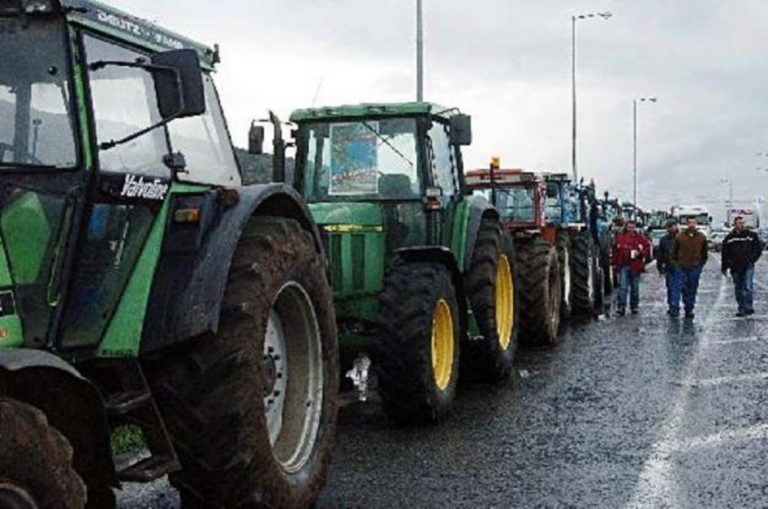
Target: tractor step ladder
x=133, y=404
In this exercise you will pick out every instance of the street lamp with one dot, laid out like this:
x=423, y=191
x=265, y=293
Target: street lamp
x=574, y=19
x=419, y=51
x=730, y=190
x=634, y=142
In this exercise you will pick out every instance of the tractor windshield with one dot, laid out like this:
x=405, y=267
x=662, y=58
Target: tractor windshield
x=515, y=204
x=360, y=161
x=36, y=129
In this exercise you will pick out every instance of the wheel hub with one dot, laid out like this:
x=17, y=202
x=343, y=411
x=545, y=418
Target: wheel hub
x=442, y=344
x=13, y=496
x=505, y=302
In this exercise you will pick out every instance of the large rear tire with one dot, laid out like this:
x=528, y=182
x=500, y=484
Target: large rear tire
x=583, y=270
x=491, y=289
x=416, y=352
x=35, y=462
x=540, y=288
x=564, y=258
x=252, y=409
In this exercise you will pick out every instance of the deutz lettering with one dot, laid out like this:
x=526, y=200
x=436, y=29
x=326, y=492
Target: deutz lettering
x=136, y=187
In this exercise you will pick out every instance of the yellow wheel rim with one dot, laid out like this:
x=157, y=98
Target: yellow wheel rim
x=442, y=344
x=505, y=302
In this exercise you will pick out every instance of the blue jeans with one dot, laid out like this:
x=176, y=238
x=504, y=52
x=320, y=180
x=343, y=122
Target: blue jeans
x=628, y=281
x=690, y=276
x=744, y=283
x=674, y=279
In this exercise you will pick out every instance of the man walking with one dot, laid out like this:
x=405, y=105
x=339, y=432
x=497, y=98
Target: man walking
x=690, y=254
x=669, y=269
x=631, y=252
x=741, y=249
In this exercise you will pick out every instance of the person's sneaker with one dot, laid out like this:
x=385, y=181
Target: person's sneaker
x=620, y=312
x=674, y=313
x=689, y=314
x=635, y=311
x=750, y=312
x=742, y=313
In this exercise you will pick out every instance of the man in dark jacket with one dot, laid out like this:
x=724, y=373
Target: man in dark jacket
x=669, y=269
x=741, y=249
x=690, y=254
x=631, y=252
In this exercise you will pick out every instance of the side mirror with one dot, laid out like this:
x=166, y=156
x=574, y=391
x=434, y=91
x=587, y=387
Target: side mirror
x=256, y=139
x=178, y=83
x=461, y=130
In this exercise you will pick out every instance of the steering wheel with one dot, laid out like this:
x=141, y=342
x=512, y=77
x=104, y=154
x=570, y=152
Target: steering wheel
x=7, y=147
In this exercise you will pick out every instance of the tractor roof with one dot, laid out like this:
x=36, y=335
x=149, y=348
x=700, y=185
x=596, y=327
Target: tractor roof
x=367, y=110
x=140, y=32
x=482, y=178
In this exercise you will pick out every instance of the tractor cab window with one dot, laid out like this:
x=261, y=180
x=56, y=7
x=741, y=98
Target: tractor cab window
x=360, y=161
x=516, y=204
x=553, y=201
x=204, y=141
x=443, y=166
x=35, y=96
x=124, y=102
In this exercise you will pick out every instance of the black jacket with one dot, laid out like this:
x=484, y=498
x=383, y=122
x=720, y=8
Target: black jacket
x=664, y=256
x=740, y=250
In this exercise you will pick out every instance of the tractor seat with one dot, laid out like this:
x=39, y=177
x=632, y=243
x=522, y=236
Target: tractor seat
x=397, y=186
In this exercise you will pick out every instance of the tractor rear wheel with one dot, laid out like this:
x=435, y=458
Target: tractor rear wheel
x=35, y=462
x=599, y=283
x=491, y=289
x=252, y=409
x=564, y=258
x=416, y=352
x=540, y=288
x=583, y=270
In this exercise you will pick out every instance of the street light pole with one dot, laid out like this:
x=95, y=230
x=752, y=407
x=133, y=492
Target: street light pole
x=574, y=19
x=634, y=144
x=419, y=51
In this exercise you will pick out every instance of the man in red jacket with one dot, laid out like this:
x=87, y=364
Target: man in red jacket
x=631, y=252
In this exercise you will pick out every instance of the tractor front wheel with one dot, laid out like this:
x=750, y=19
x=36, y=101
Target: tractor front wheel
x=35, y=462
x=416, y=352
x=491, y=290
x=252, y=409
x=583, y=270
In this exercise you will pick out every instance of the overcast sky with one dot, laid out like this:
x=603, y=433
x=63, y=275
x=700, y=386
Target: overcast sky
x=507, y=63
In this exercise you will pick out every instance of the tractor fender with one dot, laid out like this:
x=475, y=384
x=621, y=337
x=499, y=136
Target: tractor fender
x=71, y=403
x=190, y=280
x=443, y=256
x=478, y=209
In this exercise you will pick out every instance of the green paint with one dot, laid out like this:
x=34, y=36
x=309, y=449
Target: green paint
x=26, y=234
x=5, y=272
x=364, y=214
x=123, y=336
x=11, y=333
x=369, y=110
x=78, y=77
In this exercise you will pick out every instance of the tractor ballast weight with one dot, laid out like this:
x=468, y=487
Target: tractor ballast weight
x=423, y=275
x=135, y=266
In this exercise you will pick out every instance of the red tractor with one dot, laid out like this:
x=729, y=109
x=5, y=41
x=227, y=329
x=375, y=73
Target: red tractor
x=521, y=198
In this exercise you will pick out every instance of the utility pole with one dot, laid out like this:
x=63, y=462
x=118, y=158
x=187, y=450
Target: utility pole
x=419, y=51
x=634, y=144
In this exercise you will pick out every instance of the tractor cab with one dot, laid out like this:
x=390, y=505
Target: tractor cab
x=564, y=202
x=519, y=196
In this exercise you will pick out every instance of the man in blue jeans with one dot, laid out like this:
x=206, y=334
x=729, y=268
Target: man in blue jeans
x=631, y=252
x=690, y=254
x=669, y=269
x=741, y=249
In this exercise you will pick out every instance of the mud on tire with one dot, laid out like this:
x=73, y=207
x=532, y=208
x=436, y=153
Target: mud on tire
x=212, y=392
x=540, y=287
x=36, y=460
x=489, y=358
x=403, y=349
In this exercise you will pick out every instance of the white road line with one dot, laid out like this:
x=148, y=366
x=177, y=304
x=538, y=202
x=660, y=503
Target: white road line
x=726, y=342
x=759, y=431
x=655, y=486
x=722, y=380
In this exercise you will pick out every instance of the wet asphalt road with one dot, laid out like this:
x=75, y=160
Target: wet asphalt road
x=639, y=411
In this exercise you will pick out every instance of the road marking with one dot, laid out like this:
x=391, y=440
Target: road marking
x=759, y=431
x=655, y=486
x=726, y=342
x=713, y=382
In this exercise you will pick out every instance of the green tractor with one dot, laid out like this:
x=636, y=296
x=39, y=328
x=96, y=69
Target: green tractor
x=142, y=286
x=422, y=272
